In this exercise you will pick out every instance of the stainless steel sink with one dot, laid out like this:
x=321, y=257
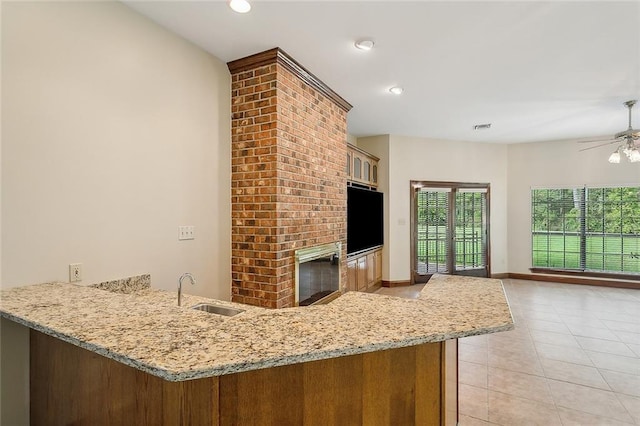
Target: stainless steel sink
x=217, y=309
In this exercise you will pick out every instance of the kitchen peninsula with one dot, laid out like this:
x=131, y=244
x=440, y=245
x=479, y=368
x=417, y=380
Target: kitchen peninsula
x=102, y=357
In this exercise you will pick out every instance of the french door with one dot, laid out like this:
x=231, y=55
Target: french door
x=450, y=229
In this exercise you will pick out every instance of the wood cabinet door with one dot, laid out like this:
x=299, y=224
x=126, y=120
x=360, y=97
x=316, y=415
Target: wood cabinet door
x=352, y=275
x=362, y=273
x=357, y=167
x=371, y=269
x=374, y=174
x=378, y=266
x=366, y=171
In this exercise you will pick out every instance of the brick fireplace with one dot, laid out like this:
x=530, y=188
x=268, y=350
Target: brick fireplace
x=288, y=177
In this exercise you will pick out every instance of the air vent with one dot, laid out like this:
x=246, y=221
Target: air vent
x=482, y=126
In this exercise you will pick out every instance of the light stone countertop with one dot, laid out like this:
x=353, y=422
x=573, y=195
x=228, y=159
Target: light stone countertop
x=146, y=329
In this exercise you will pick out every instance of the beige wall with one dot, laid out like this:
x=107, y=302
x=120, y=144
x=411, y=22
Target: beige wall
x=410, y=159
x=553, y=164
x=512, y=170
x=115, y=131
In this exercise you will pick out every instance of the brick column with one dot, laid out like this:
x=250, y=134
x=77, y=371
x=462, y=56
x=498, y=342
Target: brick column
x=288, y=174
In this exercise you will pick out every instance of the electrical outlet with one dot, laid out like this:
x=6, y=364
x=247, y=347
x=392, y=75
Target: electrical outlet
x=75, y=272
x=186, y=232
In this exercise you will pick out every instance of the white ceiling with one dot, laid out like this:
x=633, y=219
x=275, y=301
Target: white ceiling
x=535, y=70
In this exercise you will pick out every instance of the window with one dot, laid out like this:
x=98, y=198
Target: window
x=586, y=229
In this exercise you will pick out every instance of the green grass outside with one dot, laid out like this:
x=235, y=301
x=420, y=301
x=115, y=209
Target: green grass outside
x=609, y=253
x=434, y=250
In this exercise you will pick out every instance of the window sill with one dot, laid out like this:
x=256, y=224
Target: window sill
x=610, y=275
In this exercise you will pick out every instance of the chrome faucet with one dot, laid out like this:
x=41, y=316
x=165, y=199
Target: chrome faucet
x=185, y=275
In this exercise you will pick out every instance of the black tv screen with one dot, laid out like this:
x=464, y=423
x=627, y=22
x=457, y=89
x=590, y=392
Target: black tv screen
x=365, y=225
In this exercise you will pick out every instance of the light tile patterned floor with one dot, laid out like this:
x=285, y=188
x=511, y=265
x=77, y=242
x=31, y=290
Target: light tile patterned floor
x=573, y=359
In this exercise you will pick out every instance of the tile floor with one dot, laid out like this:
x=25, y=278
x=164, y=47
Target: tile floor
x=573, y=359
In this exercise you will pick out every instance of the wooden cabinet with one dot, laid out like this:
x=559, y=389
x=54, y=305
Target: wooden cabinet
x=371, y=269
x=352, y=275
x=364, y=271
x=362, y=167
x=378, y=266
x=70, y=385
x=359, y=273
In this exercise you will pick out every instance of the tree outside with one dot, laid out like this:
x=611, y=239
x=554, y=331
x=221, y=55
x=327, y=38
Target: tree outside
x=587, y=228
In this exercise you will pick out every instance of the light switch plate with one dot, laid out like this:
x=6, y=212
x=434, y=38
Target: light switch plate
x=186, y=232
x=75, y=272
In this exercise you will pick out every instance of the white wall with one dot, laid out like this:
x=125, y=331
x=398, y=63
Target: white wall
x=115, y=131
x=438, y=160
x=553, y=164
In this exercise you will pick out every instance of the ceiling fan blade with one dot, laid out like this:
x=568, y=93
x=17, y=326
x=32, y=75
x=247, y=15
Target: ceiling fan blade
x=628, y=136
x=592, y=140
x=601, y=145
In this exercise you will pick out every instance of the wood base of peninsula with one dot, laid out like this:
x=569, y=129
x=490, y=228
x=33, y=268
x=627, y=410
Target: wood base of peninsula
x=416, y=385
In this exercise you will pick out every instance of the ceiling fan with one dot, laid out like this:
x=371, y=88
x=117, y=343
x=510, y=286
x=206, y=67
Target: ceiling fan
x=628, y=140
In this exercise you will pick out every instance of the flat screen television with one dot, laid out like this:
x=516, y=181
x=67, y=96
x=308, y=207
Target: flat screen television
x=365, y=224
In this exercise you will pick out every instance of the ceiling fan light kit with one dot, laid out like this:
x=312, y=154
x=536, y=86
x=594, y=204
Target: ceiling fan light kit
x=240, y=6
x=365, y=44
x=633, y=155
x=614, y=157
x=628, y=141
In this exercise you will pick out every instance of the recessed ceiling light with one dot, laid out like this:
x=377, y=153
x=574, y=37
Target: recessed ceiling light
x=396, y=90
x=240, y=6
x=482, y=126
x=364, y=44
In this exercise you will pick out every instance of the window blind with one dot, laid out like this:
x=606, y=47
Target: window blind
x=586, y=229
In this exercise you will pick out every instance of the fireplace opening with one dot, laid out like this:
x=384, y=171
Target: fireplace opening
x=317, y=274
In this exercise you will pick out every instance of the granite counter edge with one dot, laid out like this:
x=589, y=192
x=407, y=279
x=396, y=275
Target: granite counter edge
x=232, y=368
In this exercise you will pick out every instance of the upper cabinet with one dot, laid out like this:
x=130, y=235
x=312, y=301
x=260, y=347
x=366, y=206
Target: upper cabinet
x=362, y=167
